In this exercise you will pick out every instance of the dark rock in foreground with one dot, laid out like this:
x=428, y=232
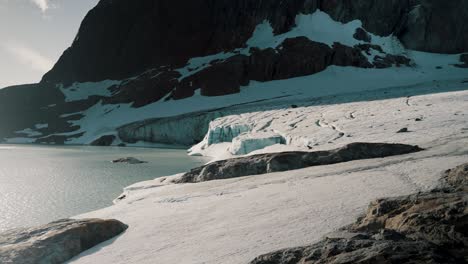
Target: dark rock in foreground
x=275, y=162
x=129, y=160
x=403, y=130
x=104, y=141
x=428, y=227
x=56, y=242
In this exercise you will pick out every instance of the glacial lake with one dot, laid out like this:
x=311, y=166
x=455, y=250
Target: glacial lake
x=39, y=184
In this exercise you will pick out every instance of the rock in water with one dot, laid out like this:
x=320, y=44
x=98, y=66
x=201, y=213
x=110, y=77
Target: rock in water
x=428, y=227
x=56, y=242
x=284, y=161
x=129, y=160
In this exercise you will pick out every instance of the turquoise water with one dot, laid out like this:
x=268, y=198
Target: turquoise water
x=41, y=184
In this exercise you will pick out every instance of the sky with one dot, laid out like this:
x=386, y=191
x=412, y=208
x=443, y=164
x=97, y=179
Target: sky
x=33, y=35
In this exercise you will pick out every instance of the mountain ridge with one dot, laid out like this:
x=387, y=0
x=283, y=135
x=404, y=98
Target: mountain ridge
x=133, y=61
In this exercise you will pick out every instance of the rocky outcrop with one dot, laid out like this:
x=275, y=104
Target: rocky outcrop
x=119, y=39
x=274, y=162
x=420, y=24
x=293, y=58
x=361, y=34
x=422, y=228
x=56, y=242
x=106, y=140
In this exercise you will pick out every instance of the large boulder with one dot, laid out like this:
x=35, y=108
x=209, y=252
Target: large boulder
x=56, y=242
x=284, y=161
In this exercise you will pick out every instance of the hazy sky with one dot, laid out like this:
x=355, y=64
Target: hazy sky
x=33, y=35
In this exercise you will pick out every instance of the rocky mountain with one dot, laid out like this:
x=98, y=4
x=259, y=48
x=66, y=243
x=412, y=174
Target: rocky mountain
x=171, y=64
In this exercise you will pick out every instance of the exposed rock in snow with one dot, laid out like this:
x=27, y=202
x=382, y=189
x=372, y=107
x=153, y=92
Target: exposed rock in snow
x=106, y=140
x=284, y=161
x=361, y=34
x=56, y=242
x=129, y=160
x=428, y=227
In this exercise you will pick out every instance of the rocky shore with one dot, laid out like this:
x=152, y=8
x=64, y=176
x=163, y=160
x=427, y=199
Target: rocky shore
x=56, y=242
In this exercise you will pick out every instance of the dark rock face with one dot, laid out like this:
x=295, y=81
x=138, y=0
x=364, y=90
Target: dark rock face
x=123, y=38
x=423, y=228
x=274, y=162
x=361, y=34
x=420, y=24
x=33, y=98
x=118, y=39
x=56, y=242
x=293, y=58
x=436, y=26
x=147, y=88
x=104, y=141
x=25, y=106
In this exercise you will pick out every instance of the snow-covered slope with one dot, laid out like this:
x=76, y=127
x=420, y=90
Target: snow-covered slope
x=233, y=221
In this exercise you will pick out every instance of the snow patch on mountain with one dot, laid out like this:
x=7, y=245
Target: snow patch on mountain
x=320, y=27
